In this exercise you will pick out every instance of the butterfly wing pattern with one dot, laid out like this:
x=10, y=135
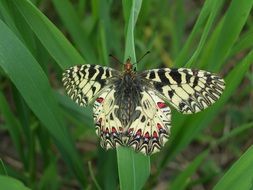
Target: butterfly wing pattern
x=188, y=90
x=85, y=82
x=108, y=126
x=150, y=130
x=130, y=109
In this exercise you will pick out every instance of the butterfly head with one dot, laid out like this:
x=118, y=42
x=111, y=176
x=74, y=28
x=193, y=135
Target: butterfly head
x=128, y=66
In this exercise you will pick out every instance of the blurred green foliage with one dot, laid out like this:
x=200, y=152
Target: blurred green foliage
x=48, y=142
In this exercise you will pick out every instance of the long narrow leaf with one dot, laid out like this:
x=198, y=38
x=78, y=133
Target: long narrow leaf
x=53, y=40
x=12, y=124
x=240, y=175
x=33, y=85
x=73, y=24
x=11, y=183
x=186, y=50
x=182, y=179
x=234, y=20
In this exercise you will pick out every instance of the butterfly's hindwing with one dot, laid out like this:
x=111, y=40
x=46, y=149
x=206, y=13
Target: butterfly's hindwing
x=84, y=82
x=108, y=126
x=149, y=131
x=189, y=91
x=148, y=127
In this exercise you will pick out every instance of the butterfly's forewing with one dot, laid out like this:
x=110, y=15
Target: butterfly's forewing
x=189, y=91
x=84, y=82
x=150, y=126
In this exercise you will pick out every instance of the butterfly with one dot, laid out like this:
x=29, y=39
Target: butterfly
x=131, y=109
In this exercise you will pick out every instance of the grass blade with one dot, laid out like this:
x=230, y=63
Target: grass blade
x=205, y=12
x=240, y=175
x=234, y=20
x=28, y=77
x=214, y=12
x=73, y=24
x=133, y=168
x=12, y=124
x=55, y=42
x=11, y=183
x=182, y=179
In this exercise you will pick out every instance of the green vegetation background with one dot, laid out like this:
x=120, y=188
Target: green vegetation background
x=48, y=142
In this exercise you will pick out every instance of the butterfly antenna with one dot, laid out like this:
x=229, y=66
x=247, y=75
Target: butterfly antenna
x=115, y=58
x=148, y=52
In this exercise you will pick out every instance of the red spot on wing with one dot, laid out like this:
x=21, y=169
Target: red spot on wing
x=138, y=132
x=147, y=135
x=114, y=130
x=100, y=99
x=155, y=134
x=161, y=105
x=159, y=126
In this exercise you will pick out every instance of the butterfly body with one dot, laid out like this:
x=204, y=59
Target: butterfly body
x=130, y=109
x=127, y=96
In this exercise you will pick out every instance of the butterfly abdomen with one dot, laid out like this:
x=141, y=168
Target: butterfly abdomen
x=127, y=97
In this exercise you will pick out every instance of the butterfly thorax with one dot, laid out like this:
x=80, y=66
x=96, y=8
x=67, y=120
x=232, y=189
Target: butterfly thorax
x=127, y=96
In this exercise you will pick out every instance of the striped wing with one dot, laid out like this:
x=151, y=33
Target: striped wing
x=189, y=91
x=150, y=127
x=84, y=82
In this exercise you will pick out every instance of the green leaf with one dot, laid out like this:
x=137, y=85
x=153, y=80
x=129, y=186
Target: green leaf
x=234, y=132
x=17, y=24
x=244, y=42
x=216, y=5
x=183, y=178
x=28, y=77
x=11, y=183
x=209, y=9
x=107, y=167
x=234, y=20
x=133, y=15
x=73, y=24
x=54, y=41
x=12, y=124
x=46, y=181
x=134, y=168
x=240, y=175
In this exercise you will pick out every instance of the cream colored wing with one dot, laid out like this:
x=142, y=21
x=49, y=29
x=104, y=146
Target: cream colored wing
x=189, y=91
x=84, y=82
x=108, y=126
x=150, y=126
